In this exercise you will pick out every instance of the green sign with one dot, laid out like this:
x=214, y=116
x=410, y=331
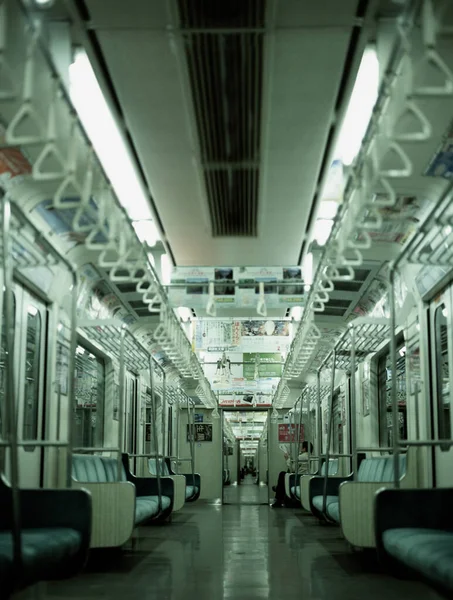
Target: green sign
x=269, y=364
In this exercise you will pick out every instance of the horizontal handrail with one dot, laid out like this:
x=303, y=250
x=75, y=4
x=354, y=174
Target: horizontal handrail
x=30, y=443
x=334, y=455
x=426, y=443
x=97, y=449
x=376, y=449
x=148, y=455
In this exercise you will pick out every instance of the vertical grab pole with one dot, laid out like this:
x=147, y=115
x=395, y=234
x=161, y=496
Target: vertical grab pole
x=193, y=442
x=10, y=386
x=307, y=428
x=318, y=417
x=191, y=425
x=296, y=466
x=154, y=423
x=178, y=428
x=164, y=415
x=121, y=404
x=393, y=359
x=329, y=431
x=353, y=416
x=71, y=372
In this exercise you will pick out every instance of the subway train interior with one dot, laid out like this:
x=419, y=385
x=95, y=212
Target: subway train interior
x=227, y=299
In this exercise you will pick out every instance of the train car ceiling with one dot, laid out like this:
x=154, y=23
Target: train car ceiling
x=229, y=107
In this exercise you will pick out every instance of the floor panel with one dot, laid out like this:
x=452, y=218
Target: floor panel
x=237, y=551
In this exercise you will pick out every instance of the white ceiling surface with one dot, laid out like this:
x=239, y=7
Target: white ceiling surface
x=303, y=69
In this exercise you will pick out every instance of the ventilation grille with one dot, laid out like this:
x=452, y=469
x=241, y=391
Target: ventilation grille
x=224, y=50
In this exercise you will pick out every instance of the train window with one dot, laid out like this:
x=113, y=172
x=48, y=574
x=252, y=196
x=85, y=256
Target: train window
x=337, y=432
x=385, y=395
x=443, y=380
x=88, y=424
x=32, y=360
x=3, y=362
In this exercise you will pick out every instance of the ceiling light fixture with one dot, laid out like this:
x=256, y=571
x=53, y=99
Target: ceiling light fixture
x=307, y=270
x=296, y=313
x=360, y=108
x=166, y=269
x=185, y=314
x=104, y=134
x=322, y=230
x=146, y=231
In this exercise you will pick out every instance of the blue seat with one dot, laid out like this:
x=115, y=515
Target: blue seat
x=428, y=551
x=379, y=469
x=414, y=530
x=193, y=484
x=103, y=469
x=55, y=536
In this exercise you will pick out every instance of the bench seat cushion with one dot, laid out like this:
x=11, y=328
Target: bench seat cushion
x=317, y=501
x=44, y=552
x=191, y=491
x=333, y=511
x=147, y=507
x=428, y=551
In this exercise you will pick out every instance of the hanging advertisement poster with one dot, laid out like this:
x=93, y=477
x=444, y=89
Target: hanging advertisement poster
x=202, y=432
x=247, y=400
x=236, y=286
x=282, y=286
x=192, y=286
x=216, y=335
x=262, y=364
x=265, y=335
x=290, y=433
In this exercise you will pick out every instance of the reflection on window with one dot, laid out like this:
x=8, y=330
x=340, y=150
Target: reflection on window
x=443, y=381
x=3, y=357
x=88, y=423
x=385, y=396
x=32, y=358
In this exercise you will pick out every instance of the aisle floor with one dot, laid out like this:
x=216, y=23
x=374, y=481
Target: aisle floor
x=248, y=492
x=244, y=552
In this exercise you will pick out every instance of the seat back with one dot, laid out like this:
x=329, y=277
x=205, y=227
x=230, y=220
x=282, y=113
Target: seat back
x=380, y=468
x=152, y=464
x=333, y=467
x=87, y=468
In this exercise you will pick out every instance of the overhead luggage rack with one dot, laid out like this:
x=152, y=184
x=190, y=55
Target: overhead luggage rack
x=107, y=335
x=391, y=165
x=40, y=119
x=28, y=246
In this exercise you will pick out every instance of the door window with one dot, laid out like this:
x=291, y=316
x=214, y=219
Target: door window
x=386, y=425
x=31, y=383
x=88, y=423
x=442, y=374
x=3, y=358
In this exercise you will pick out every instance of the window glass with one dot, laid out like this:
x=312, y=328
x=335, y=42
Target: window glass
x=32, y=358
x=3, y=357
x=129, y=428
x=88, y=424
x=385, y=395
x=443, y=380
x=337, y=432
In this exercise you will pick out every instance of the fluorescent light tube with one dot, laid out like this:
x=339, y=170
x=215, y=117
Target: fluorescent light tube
x=322, y=230
x=360, y=108
x=146, y=232
x=166, y=269
x=103, y=132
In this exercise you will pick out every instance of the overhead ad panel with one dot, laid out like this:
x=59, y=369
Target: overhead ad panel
x=236, y=287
